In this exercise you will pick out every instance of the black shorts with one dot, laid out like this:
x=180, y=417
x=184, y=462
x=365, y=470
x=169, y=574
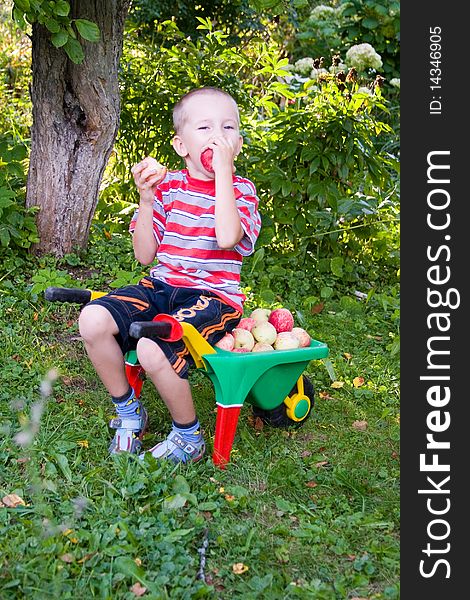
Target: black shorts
x=206, y=311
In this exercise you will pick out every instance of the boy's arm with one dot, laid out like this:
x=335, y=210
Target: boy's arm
x=147, y=174
x=228, y=228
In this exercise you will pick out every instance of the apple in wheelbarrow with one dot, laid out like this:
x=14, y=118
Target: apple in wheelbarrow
x=264, y=332
x=260, y=314
x=246, y=323
x=282, y=319
x=243, y=339
x=262, y=347
x=286, y=340
x=303, y=335
x=226, y=343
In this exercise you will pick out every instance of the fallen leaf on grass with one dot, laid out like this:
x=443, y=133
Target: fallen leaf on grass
x=311, y=484
x=322, y=463
x=83, y=443
x=347, y=355
x=337, y=384
x=13, y=500
x=229, y=497
x=358, y=381
x=305, y=453
x=325, y=396
x=315, y=310
x=67, y=558
x=138, y=590
x=360, y=425
x=86, y=557
x=239, y=568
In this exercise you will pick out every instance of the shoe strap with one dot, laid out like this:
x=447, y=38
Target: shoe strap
x=172, y=442
x=134, y=423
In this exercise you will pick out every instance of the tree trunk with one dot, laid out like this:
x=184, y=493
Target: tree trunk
x=76, y=112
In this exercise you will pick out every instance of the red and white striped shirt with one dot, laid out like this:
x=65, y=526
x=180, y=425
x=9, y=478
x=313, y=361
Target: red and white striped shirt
x=184, y=227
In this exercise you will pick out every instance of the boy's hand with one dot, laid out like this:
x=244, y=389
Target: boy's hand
x=147, y=174
x=224, y=154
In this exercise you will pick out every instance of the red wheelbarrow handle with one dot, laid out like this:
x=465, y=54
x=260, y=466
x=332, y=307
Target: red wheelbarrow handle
x=164, y=327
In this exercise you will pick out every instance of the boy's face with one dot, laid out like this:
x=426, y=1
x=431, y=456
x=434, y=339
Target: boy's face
x=208, y=116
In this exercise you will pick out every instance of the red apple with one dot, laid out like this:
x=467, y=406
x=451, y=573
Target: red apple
x=241, y=350
x=260, y=314
x=262, y=347
x=206, y=159
x=226, y=343
x=282, y=319
x=243, y=338
x=264, y=332
x=304, y=337
x=246, y=323
x=286, y=340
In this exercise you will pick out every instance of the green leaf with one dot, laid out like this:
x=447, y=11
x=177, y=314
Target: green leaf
x=174, y=502
x=63, y=465
x=62, y=8
x=326, y=292
x=258, y=256
x=208, y=506
x=4, y=237
x=18, y=16
x=268, y=296
x=23, y=5
x=314, y=165
x=369, y=23
x=19, y=152
x=51, y=25
x=88, y=30
x=180, y=485
x=74, y=50
x=128, y=567
x=60, y=38
x=336, y=265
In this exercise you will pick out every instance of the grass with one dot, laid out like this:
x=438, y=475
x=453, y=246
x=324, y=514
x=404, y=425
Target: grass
x=310, y=513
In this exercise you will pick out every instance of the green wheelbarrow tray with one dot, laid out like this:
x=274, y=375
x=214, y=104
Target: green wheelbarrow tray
x=263, y=379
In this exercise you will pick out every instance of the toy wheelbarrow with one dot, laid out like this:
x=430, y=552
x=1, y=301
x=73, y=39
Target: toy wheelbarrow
x=272, y=382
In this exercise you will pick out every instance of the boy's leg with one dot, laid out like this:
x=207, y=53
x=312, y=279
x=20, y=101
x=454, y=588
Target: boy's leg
x=167, y=366
x=174, y=390
x=105, y=342
x=98, y=330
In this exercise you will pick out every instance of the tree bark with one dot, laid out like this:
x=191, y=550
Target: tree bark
x=76, y=112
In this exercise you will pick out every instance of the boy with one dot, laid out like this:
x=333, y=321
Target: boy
x=198, y=222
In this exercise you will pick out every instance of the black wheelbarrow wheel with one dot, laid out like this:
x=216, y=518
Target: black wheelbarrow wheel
x=280, y=416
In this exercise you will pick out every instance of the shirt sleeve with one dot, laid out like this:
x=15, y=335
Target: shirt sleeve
x=159, y=217
x=247, y=204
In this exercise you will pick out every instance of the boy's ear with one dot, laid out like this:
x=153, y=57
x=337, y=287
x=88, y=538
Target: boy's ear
x=240, y=144
x=179, y=146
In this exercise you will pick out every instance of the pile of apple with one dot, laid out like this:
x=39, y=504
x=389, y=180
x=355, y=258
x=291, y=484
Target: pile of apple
x=265, y=330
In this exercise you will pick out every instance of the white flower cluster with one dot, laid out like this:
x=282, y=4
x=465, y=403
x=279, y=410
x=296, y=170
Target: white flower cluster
x=395, y=82
x=322, y=13
x=315, y=73
x=363, y=56
x=304, y=65
x=334, y=70
x=364, y=90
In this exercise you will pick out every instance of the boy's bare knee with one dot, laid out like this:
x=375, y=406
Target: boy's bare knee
x=150, y=355
x=96, y=321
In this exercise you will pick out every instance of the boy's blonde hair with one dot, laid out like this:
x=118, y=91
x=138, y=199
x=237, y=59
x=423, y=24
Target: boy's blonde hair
x=179, y=114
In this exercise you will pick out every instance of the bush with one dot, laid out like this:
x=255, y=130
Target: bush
x=316, y=148
x=17, y=226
